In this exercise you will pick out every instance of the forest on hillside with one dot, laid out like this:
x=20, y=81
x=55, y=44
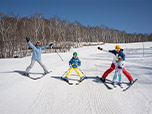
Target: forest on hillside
x=65, y=34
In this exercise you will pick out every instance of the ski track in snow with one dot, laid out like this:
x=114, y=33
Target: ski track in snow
x=50, y=95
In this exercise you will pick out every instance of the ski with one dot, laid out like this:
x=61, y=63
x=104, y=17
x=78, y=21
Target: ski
x=43, y=74
x=25, y=74
x=66, y=81
x=120, y=85
x=47, y=73
x=130, y=85
x=80, y=81
x=108, y=87
x=35, y=78
x=114, y=86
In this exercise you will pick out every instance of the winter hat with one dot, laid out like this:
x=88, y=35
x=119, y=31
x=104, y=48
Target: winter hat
x=75, y=53
x=39, y=43
x=117, y=47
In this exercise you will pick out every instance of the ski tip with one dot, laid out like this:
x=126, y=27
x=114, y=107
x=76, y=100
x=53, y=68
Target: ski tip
x=46, y=73
x=110, y=87
x=136, y=79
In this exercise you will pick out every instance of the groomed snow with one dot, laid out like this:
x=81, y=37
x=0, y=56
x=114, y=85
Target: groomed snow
x=50, y=95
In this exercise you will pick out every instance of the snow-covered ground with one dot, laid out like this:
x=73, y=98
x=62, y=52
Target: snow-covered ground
x=50, y=95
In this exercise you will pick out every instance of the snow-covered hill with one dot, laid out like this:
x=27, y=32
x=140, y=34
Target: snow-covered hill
x=50, y=95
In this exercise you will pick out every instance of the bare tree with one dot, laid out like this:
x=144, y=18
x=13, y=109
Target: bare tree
x=14, y=29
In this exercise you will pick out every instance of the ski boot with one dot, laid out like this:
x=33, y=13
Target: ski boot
x=114, y=84
x=82, y=78
x=26, y=74
x=103, y=79
x=66, y=80
x=131, y=82
x=46, y=73
x=120, y=84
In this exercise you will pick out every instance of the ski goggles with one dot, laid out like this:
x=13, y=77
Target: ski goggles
x=39, y=43
x=117, y=49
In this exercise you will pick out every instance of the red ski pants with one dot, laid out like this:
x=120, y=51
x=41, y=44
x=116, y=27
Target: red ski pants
x=112, y=68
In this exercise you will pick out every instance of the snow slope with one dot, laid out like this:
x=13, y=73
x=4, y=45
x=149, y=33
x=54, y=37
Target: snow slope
x=50, y=95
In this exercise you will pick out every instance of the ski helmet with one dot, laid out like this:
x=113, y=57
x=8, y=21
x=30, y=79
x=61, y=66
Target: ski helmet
x=117, y=47
x=75, y=53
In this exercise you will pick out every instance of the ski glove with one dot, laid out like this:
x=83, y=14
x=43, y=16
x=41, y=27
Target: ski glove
x=119, y=67
x=100, y=48
x=27, y=39
x=51, y=44
x=74, y=65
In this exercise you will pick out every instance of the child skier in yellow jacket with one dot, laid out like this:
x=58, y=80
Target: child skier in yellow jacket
x=74, y=64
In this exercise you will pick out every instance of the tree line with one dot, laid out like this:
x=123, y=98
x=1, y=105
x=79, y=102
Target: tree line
x=14, y=30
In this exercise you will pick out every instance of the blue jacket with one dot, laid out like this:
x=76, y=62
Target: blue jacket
x=37, y=51
x=75, y=62
x=120, y=53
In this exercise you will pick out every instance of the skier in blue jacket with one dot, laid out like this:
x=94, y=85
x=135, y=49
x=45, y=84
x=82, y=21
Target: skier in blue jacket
x=36, y=56
x=74, y=63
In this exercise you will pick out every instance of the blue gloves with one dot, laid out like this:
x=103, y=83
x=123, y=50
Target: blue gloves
x=119, y=67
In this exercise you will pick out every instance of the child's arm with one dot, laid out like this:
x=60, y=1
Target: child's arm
x=79, y=62
x=31, y=45
x=111, y=51
x=43, y=48
x=121, y=65
x=47, y=46
x=70, y=63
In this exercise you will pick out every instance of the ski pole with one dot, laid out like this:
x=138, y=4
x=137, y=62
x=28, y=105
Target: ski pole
x=59, y=56
x=65, y=72
x=82, y=72
x=57, y=51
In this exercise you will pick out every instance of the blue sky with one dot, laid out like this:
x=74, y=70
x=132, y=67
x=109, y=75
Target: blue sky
x=128, y=15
